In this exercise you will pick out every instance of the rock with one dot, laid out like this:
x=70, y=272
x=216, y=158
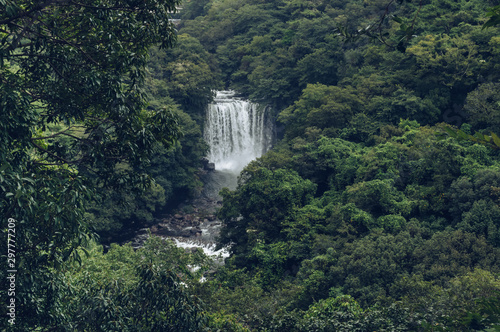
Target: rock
x=207, y=165
x=204, y=162
x=195, y=231
x=178, y=216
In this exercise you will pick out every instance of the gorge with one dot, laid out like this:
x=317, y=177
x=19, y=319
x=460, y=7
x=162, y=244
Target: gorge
x=237, y=131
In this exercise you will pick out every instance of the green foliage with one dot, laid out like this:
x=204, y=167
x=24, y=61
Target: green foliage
x=322, y=107
x=492, y=141
x=224, y=322
x=174, y=168
x=455, y=59
x=185, y=73
x=258, y=211
x=393, y=215
x=72, y=120
x=175, y=171
x=494, y=17
x=378, y=197
x=127, y=290
x=272, y=258
x=331, y=312
x=483, y=106
x=404, y=103
x=359, y=219
x=120, y=209
x=379, y=218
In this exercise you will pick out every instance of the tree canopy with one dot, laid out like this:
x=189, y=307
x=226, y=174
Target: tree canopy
x=378, y=208
x=73, y=119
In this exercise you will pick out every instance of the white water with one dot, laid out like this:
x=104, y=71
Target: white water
x=237, y=132
x=208, y=249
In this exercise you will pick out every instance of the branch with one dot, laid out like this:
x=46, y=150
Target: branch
x=172, y=9
x=39, y=7
x=57, y=39
x=62, y=132
x=54, y=155
x=416, y=15
x=131, y=9
x=64, y=41
x=386, y=12
x=32, y=55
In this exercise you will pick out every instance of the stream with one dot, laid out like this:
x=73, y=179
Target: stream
x=237, y=132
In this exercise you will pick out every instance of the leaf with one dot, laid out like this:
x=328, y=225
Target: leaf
x=496, y=139
x=480, y=136
x=11, y=11
x=397, y=19
x=462, y=134
x=494, y=14
x=451, y=132
x=28, y=180
x=472, y=138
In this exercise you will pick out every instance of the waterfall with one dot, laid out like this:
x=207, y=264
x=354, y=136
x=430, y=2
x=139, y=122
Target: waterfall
x=237, y=132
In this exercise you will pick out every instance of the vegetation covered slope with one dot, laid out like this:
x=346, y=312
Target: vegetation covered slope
x=74, y=123
x=364, y=217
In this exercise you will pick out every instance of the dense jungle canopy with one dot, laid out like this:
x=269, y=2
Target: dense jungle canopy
x=377, y=210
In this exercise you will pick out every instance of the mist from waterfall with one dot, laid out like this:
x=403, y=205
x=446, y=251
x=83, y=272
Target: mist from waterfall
x=237, y=132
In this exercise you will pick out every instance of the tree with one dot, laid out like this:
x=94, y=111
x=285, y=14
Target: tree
x=71, y=112
x=184, y=73
x=320, y=106
x=257, y=211
x=81, y=66
x=483, y=107
x=128, y=290
x=455, y=59
x=494, y=17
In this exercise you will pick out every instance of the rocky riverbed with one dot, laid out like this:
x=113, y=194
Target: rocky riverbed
x=198, y=223
x=193, y=224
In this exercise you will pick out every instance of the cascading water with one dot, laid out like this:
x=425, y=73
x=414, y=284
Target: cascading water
x=237, y=132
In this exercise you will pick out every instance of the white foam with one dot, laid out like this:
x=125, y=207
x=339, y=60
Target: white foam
x=208, y=249
x=237, y=132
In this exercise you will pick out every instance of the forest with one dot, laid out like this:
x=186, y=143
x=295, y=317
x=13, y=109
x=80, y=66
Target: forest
x=378, y=208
